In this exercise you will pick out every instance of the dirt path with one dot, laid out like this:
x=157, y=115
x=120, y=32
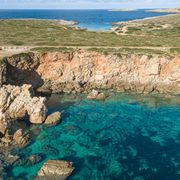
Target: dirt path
x=10, y=50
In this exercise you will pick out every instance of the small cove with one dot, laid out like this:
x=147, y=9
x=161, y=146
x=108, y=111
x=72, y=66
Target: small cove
x=129, y=136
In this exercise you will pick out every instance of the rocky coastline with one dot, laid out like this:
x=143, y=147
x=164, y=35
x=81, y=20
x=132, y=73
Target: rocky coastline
x=83, y=71
x=24, y=76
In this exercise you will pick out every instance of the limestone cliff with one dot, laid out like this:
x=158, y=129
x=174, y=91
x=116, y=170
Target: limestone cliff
x=81, y=71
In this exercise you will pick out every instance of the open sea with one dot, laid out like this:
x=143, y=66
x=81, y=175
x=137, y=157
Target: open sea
x=125, y=137
x=90, y=19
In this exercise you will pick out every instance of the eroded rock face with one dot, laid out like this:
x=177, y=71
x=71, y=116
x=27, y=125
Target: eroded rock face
x=83, y=71
x=3, y=123
x=55, y=169
x=18, y=102
x=2, y=73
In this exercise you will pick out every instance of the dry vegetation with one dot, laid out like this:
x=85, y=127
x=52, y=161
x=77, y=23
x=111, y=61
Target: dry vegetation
x=141, y=36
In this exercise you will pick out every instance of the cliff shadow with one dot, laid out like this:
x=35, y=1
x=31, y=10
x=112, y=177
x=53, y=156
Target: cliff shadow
x=17, y=76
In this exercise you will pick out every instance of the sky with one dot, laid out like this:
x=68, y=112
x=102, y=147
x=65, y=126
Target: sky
x=87, y=4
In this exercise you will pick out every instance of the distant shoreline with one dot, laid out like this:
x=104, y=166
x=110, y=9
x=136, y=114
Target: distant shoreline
x=169, y=10
x=61, y=21
x=77, y=25
x=139, y=20
x=121, y=10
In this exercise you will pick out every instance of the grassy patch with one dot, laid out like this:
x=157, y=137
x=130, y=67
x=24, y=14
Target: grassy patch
x=1, y=62
x=25, y=56
x=175, y=50
x=52, y=49
x=121, y=51
x=50, y=33
x=165, y=26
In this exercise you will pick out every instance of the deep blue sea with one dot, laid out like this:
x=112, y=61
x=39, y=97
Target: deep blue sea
x=90, y=19
x=125, y=137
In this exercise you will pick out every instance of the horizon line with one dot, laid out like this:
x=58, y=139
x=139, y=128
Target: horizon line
x=78, y=8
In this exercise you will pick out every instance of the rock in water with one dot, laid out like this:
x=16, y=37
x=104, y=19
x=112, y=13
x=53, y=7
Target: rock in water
x=53, y=118
x=94, y=94
x=55, y=169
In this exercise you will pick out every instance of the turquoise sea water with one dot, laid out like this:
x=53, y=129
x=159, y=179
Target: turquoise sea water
x=124, y=137
x=90, y=19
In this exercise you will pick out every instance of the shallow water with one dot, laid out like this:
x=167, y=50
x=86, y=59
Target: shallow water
x=124, y=137
x=90, y=19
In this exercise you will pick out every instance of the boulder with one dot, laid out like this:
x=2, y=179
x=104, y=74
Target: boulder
x=53, y=118
x=101, y=96
x=55, y=169
x=94, y=94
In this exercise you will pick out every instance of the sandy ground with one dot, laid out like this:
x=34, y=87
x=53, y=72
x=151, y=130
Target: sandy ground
x=10, y=50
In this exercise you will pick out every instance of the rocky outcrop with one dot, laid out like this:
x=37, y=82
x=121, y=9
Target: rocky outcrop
x=55, y=169
x=82, y=71
x=21, y=69
x=2, y=73
x=18, y=103
x=53, y=119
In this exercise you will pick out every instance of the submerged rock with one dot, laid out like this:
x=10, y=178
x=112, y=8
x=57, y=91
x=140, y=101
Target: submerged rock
x=28, y=161
x=53, y=118
x=55, y=169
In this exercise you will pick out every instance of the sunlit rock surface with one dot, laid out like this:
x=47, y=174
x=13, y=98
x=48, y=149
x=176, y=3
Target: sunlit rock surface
x=83, y=71
x=55, y=169
x=18, y=102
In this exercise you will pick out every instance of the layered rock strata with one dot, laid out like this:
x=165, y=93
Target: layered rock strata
x=82, y=71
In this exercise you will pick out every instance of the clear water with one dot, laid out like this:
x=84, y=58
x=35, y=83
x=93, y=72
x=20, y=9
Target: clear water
x=124, y=137
x=90, y=19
